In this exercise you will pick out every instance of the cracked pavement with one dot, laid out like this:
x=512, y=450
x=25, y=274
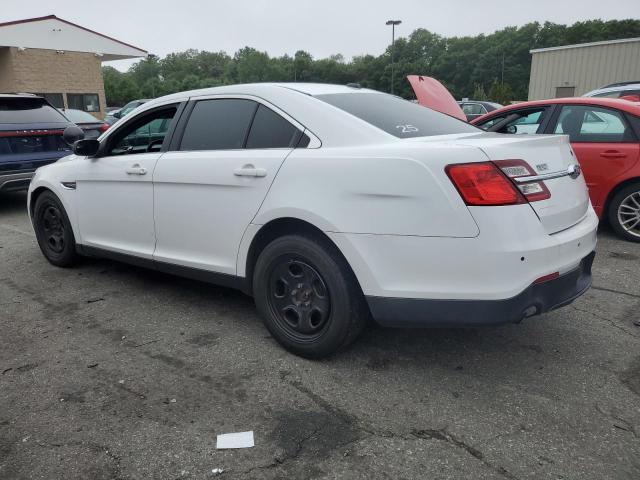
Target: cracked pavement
x=92, y=359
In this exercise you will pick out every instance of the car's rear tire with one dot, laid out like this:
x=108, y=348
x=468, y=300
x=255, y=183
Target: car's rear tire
x=624, y=212
x=308, y=296
x=53, y=231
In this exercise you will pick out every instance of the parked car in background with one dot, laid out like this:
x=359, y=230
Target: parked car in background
x=604, y=134
x=328, y=204
x=30, y=137
x=476, y=108
x=124, y=111
x=91, y=126
x=625, y=90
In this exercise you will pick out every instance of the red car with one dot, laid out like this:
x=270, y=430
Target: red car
x=604, y=134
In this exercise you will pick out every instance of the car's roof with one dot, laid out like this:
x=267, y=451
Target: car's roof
x=312, y=89
x=625, y=105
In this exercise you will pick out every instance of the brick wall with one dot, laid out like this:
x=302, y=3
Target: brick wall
x=46, y=71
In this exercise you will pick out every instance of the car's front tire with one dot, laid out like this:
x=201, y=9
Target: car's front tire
x=307, y=296
x=53, y=231
x=624, y=212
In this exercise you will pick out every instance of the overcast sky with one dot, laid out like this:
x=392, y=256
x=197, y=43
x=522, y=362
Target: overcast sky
x=321, y=27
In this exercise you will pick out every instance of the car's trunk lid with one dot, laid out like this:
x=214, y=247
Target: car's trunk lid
x=546, y=155
x=432, y=94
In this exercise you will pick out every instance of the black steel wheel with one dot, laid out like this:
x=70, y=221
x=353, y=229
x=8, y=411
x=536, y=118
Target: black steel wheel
x=299, y=299
x=307, y=296
x=53, y=231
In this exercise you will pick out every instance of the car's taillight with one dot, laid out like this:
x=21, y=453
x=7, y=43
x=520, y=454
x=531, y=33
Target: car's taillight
x=532, y=191
x=104, y=127
x=483, y=183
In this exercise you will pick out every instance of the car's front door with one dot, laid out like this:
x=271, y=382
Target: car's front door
x=604, y=142
x=115, y=189
x=211, y=184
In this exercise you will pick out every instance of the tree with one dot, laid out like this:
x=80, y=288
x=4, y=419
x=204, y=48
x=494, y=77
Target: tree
x=465, y=65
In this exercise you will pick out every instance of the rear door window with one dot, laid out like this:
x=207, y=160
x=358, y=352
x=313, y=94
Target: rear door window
x=593, y=125
x=270, y=130
x=219, y=124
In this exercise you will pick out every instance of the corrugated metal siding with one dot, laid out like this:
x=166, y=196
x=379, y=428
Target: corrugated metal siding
x=585, y=68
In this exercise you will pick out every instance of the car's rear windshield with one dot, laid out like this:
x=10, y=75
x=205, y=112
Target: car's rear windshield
x=28, y=110
x=401, y=118
x=78, y=116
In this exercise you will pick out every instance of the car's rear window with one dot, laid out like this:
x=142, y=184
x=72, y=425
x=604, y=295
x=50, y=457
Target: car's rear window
x=78, y=116
x=28, y=110
x=401, y=118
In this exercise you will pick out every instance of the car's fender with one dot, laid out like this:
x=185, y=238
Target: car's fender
x=51, y=177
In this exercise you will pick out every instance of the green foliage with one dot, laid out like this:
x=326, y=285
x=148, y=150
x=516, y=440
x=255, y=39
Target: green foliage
x=499, y=63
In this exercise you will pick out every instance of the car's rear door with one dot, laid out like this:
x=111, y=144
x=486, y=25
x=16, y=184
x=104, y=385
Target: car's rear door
x=208, y=188
x=604, y=142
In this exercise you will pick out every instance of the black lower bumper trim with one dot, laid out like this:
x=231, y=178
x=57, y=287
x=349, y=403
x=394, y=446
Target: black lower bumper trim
x=536, y=299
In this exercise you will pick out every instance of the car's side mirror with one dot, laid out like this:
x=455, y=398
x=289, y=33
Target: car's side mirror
x=72, y=134
x=86, y=148
x=117, y=114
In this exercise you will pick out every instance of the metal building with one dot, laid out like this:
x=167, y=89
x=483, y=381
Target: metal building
x=572, y=70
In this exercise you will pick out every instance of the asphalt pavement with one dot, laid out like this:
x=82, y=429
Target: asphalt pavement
x=109, y=371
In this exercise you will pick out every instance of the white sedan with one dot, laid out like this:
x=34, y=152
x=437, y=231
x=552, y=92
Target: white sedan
x=329, y=205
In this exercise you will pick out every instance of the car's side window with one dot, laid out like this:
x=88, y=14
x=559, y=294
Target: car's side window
x=270, y=130
x=146, y=133
x=490, y=123
x=473, y=109
x=527, y=123
x=585, y=123
x=218, y=124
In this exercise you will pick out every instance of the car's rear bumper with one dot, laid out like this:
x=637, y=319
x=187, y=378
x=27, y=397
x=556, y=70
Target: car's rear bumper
x=15, y=181
x=534, y=300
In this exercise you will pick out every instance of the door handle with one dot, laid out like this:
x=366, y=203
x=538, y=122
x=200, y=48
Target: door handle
x=250, y=171
x=613, y=154
x=136, y=170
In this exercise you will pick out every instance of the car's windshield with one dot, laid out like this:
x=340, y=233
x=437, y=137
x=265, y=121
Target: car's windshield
x=401, y=118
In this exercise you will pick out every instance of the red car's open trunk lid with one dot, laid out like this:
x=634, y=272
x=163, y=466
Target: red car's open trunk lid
x=431, y=93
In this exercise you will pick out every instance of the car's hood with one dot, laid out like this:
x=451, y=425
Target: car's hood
x=431, y=93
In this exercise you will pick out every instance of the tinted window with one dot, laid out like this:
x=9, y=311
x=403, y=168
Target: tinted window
x=593, y=124
x=398, y=117
x=28, y=110
x=270, y=130
x=139, y=135
x=608, y=95
x=218, y=124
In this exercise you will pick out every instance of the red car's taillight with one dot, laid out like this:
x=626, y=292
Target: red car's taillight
x=483, y=183
x=104, y=127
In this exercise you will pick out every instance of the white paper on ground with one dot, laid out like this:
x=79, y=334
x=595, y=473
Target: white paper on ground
x=235, y=440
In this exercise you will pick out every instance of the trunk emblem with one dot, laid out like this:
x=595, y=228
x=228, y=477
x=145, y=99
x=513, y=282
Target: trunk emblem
x=542, y=167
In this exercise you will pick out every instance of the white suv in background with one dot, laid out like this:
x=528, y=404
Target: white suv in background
x=329, y=205
x=616, y=90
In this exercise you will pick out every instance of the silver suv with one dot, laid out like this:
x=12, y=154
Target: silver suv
x=616, y=90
